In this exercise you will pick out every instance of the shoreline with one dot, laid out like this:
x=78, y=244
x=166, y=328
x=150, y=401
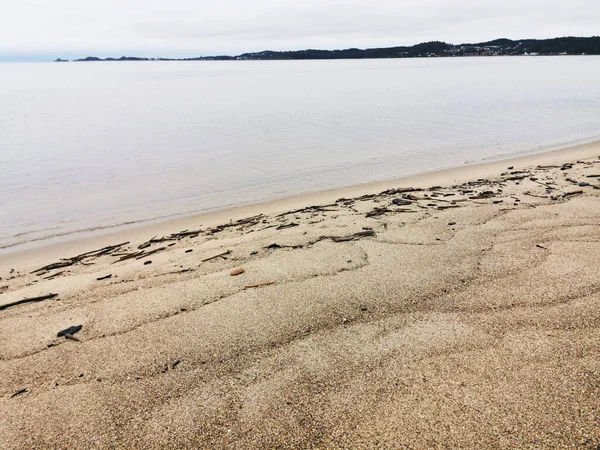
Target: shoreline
x=419, y=314
x=46, y=250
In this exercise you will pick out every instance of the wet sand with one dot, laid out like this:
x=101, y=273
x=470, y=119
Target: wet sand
x=452, y=309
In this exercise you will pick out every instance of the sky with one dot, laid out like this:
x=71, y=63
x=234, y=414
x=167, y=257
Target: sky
x=43, y=29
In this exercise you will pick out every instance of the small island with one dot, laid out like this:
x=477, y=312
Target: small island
x=61, y=60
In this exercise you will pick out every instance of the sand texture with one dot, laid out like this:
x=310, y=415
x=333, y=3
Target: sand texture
x=455, y=316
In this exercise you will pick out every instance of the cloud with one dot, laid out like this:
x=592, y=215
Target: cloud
x=186, y=27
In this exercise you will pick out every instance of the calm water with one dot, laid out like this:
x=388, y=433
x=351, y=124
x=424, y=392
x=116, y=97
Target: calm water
x=85, y=145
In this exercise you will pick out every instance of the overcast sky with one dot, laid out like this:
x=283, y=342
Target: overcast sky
x=38, y=29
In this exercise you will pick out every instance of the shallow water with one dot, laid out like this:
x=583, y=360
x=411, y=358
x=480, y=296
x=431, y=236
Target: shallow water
x=89, y=145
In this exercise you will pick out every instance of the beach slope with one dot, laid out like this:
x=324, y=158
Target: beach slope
x=461, y=315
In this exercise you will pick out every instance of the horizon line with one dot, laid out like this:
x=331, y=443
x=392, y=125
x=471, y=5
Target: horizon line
x=37, y=57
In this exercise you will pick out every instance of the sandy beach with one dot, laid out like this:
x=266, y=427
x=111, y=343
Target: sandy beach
x=452, y=309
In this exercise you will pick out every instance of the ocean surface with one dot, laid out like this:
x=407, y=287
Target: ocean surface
x=92, y=145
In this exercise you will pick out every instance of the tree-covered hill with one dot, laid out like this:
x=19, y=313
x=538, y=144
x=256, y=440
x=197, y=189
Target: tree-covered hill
x=497, y=47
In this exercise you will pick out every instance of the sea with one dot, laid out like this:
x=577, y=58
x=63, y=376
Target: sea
x=87, y=146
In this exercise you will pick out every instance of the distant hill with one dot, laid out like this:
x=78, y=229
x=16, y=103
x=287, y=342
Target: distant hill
x=497, y=47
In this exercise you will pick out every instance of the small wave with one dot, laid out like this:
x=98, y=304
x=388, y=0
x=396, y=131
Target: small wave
x=25, y=233
x=74, y=232
x=109, y=227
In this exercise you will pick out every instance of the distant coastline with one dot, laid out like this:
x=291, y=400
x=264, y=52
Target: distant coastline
x=497, y=47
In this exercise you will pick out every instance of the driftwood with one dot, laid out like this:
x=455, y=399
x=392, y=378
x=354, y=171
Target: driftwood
x=397, y=191
x=69, y=331
x=287, y=225
x=19, y=392
x=147, y=243
x=314, y=208
x=533, y=195
x=105, y=277
x=58, y=265
x=543, y=184
x=366, y=197
x=28, y=300
x=275, y=245
x=346, y=201
x=79, y=258
x=129, y=256
x=479, y=183
x=217, y=256
x=350, y=237
x=566, y=194
x=174, y=272
x=172, y=237
x=487, y=194
x=184, y=234
x=268, y=283
x=54, y=275
x=100, y=252
x=404, y=210
x=249, y=221
x=388, y=193
x=138, y=255
x=152, y=252
x=378, y=212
